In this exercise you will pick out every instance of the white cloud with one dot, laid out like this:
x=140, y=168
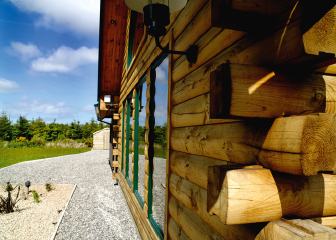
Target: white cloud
x=81, y=16
x=23, y=51
x=88, y=108
x=7, y=86
x=161, y=76
x=26, y=106
x=65, y=60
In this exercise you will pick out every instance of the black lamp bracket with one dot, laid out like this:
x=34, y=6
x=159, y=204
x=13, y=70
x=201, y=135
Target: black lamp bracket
x=191, y=52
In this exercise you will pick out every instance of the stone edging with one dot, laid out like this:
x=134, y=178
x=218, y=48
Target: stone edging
x=59, y=222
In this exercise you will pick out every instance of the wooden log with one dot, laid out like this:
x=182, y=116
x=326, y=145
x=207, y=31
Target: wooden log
x=115, y=175
x=175, y=231
x=115, y=140
x=326, y=221
x=143, y=62
x=302, y=145
x=116, y=116
x=296, y=229
x=115, y=152
x=321, y=36
x=193, y=167
x=224, y=15
x=146, y=181
x=193, y=226
x=195, y=199
x=283, y=49
x=115, y=164
x=251, y=91
x=193, y=112
x=239, y=194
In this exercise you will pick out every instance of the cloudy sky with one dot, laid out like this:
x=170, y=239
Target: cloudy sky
x=49, y=60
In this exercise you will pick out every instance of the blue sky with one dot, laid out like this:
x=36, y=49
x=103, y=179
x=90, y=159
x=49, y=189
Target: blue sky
x=49, y=60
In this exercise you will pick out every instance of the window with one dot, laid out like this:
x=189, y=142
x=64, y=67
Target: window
x=144, y=107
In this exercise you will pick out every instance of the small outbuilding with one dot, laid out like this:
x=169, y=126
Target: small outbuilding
x=101, y=139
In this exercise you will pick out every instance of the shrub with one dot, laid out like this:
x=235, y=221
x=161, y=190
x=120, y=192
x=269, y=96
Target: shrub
x=36, y=196
x=88, y=142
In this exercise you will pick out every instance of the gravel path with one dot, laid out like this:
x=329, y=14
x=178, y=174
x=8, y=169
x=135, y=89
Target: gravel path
x=97, y=209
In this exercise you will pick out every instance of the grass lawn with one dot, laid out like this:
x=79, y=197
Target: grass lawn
x=158, y=152
x=10, y=156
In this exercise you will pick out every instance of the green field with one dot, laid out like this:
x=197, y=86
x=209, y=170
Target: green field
x=10, y=156
x=158, y=152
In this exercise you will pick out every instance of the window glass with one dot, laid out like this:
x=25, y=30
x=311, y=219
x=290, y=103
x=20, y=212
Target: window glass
x=160, y=143
x=142, y=131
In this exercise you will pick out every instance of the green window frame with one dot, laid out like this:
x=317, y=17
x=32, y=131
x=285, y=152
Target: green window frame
x=157, y=62
x=137, y=107
x=138, y=92
x=128, y=113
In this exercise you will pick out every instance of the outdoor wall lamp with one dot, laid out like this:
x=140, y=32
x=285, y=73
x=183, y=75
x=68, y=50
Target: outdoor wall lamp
x=27, y=185
x=156, y=18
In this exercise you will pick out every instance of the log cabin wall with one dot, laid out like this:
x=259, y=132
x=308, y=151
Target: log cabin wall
x=201, y=131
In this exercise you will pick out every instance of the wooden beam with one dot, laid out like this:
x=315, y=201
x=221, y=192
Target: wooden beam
x=259, y=195
x=296, y=229
x=115, y=128
x=115, y=164
x=194, y=112
x=175, y=231
x=326, y=221
x=115, y=175
x=193, y=226
x=249, y=91
x=194, y=198
x=302, y=145
x=116, y=116
x=223, y=15
x=115, y=152
x=321, y=36
x=193, y=167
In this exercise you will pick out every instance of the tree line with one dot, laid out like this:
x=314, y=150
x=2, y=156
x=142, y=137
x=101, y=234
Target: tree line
x=38, y=128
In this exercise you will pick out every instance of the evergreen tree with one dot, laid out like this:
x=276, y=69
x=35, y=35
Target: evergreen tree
x=22, y=128
x=38, y=127
x=6, y=129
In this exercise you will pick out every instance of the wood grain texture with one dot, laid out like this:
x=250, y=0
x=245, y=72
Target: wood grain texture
x=326, y=221
x=295, y=229
x=261, y=92
x=192, y=167
x=194, y=198
x=175, y=231
x=194, y=112
x=321, y=36
x=259, y=195
x=193, y=226
x=302, y=145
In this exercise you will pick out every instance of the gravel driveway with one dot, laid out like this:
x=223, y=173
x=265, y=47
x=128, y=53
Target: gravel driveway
x=97, y=209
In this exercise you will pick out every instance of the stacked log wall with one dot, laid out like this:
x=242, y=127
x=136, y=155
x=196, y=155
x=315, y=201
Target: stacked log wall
x=189, y=108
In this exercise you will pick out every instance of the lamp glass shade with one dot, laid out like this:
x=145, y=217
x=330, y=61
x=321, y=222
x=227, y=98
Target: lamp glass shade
x=138, y=5
x=107, y=98
x=97, y=110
